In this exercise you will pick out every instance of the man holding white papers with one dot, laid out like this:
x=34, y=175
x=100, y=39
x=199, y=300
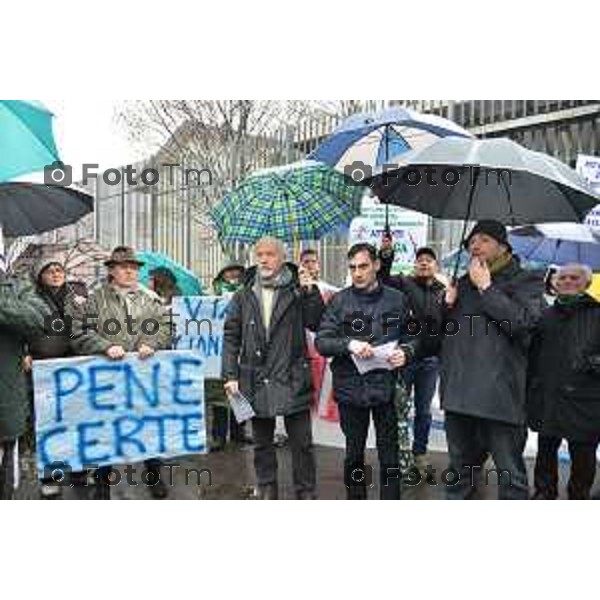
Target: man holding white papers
x=364, y=329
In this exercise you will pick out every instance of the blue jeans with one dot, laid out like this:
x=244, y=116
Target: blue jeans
x=470, y=439
x=422, y=377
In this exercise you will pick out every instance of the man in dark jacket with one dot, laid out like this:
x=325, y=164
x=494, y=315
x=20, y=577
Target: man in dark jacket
x=265, y=358
x=563, y=398
x=357, y=320
x=490, y=317
x=426, y=295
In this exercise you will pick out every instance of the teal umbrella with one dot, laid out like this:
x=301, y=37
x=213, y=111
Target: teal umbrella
x=300, y=201
x=26, y=140
x=187, y=282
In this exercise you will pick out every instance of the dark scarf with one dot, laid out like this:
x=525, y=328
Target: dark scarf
x=573, y=299
x=54, y=297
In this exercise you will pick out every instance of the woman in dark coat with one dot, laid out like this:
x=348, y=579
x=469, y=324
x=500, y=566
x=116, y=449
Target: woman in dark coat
x=563, y=399
x=52, y=289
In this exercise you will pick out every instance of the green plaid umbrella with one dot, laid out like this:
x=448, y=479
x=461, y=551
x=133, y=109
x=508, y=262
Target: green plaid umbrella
x=301, y=201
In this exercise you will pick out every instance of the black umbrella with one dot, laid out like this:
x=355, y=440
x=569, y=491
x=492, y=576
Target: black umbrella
x=29, y=208
x=470, y=179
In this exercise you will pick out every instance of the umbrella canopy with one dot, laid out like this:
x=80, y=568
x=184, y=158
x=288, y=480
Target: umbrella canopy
x=26, y=140
x=28, y=208
x=557, y=244
x=301, y=201
x=83, y=260
x=486, y=179
x=187, y=282
x=376, y=138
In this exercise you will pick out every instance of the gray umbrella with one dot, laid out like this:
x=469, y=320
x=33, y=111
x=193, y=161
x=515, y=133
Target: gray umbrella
x=28, y=208
x=486, y=179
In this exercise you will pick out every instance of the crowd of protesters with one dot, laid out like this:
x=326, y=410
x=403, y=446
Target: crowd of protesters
x=508, y=349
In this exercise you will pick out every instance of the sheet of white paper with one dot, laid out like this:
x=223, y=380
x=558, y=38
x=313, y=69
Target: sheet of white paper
x=378, y=361
x=242, y=409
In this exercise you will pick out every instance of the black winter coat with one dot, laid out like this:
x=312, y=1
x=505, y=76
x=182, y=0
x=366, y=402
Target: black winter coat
x=484, y=364
x=563, y=396
x=61, y=304
x=274, y=374
x=383, y=305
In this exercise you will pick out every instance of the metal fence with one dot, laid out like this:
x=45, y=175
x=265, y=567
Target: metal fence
x=166, y=217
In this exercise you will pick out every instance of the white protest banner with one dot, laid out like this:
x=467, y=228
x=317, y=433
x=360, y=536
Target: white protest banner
x=408, y=228
x=94, y=411
x=199, y=326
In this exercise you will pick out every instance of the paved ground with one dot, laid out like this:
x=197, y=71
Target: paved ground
x=231, y=477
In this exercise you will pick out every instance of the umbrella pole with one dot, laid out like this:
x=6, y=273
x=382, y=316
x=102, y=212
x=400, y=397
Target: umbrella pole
x=387, y=157
x=466, y=223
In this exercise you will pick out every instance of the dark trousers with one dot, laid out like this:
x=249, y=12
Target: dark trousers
x=7, y=470
x=355, y=425
x=470, y=439
x=583, y=469
x=224, y=422
x=421, y=377
x=299, y=429
x=102, y=487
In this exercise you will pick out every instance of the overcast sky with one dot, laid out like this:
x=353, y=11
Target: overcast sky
x=85, y=131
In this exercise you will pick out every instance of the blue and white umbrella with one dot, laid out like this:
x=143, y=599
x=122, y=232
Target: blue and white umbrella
x=365, y=141
x=375, y=139
x=539, y=246
x=557, y=244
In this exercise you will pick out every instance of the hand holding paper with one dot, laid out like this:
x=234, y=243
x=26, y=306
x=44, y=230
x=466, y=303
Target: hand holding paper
x=380, y=358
